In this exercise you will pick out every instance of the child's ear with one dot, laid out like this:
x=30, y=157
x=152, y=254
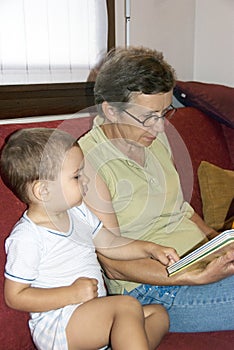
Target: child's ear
x=40, y=190
x=110, y=112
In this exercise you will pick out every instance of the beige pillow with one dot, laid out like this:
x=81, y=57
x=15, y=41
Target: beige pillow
x=217, y=193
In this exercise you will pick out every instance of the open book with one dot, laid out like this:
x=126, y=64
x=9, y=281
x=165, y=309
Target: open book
x=203, y=255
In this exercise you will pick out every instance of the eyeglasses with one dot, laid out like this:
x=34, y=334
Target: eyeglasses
x=151, y=118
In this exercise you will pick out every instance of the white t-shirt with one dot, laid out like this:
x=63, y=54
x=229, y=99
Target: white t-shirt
x=47, y=258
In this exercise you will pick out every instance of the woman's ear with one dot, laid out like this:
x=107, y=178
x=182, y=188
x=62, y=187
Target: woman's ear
x=40, y=190
x=110, y=112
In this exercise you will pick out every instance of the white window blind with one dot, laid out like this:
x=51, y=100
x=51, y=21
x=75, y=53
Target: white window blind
x=47, y=41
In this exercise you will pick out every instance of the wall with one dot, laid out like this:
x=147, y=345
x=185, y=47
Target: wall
x=194, y=35
x=214, y=41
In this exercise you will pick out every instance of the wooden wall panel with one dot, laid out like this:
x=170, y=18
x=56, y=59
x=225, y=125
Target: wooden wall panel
x=44, y=99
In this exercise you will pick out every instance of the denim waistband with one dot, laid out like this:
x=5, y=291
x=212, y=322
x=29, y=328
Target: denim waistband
x=172, y=290
x=150, y=294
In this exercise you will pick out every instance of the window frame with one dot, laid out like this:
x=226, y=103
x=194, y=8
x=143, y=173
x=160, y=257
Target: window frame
x=17, y=101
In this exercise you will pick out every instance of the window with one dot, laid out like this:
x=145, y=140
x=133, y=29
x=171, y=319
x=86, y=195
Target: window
x=51, y=41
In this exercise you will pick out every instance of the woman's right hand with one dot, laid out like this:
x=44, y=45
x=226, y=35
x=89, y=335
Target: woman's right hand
x=216, y=270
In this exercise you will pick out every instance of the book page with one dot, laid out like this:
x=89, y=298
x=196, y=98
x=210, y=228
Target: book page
x=202, y=256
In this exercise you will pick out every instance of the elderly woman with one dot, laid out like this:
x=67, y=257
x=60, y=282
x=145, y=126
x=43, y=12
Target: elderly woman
x=135, y=190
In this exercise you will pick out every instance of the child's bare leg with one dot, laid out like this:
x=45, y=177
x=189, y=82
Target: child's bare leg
x=156, y=324
x=115, y=319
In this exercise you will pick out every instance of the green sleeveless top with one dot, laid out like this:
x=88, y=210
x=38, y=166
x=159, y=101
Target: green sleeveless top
x=148, y=200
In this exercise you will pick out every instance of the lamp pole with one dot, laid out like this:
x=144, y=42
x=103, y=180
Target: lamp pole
x=127, y=21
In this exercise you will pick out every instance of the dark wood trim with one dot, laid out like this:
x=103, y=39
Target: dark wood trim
x=44, y=99
x=111, y=23
x=17, y=101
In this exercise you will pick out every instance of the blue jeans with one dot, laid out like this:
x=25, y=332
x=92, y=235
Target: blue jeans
x=202, y=308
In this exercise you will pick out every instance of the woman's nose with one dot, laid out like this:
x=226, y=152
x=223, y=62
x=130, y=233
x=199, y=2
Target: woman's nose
x=159, y=125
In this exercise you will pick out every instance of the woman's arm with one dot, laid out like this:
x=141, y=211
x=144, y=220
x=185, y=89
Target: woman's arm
x=99, y=201
x=208, y=231
x=153, y=272
x=147, y=271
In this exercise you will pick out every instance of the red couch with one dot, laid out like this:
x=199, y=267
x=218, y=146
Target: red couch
x=205, y=138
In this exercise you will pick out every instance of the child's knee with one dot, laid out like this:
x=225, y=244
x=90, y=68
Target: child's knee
x=163, y=314
x=129, y=302
x=159, y=311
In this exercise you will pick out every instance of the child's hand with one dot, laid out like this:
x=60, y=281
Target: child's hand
x=84, y=289
x=166, y=255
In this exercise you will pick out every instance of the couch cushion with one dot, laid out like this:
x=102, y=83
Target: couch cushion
x=204, y=139
x=213, y=99
x=217, y=193
x=229, y=137
x=195, y=341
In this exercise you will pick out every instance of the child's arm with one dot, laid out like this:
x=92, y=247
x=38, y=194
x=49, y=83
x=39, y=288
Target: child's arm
x=118, y=247
x=23, y=297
